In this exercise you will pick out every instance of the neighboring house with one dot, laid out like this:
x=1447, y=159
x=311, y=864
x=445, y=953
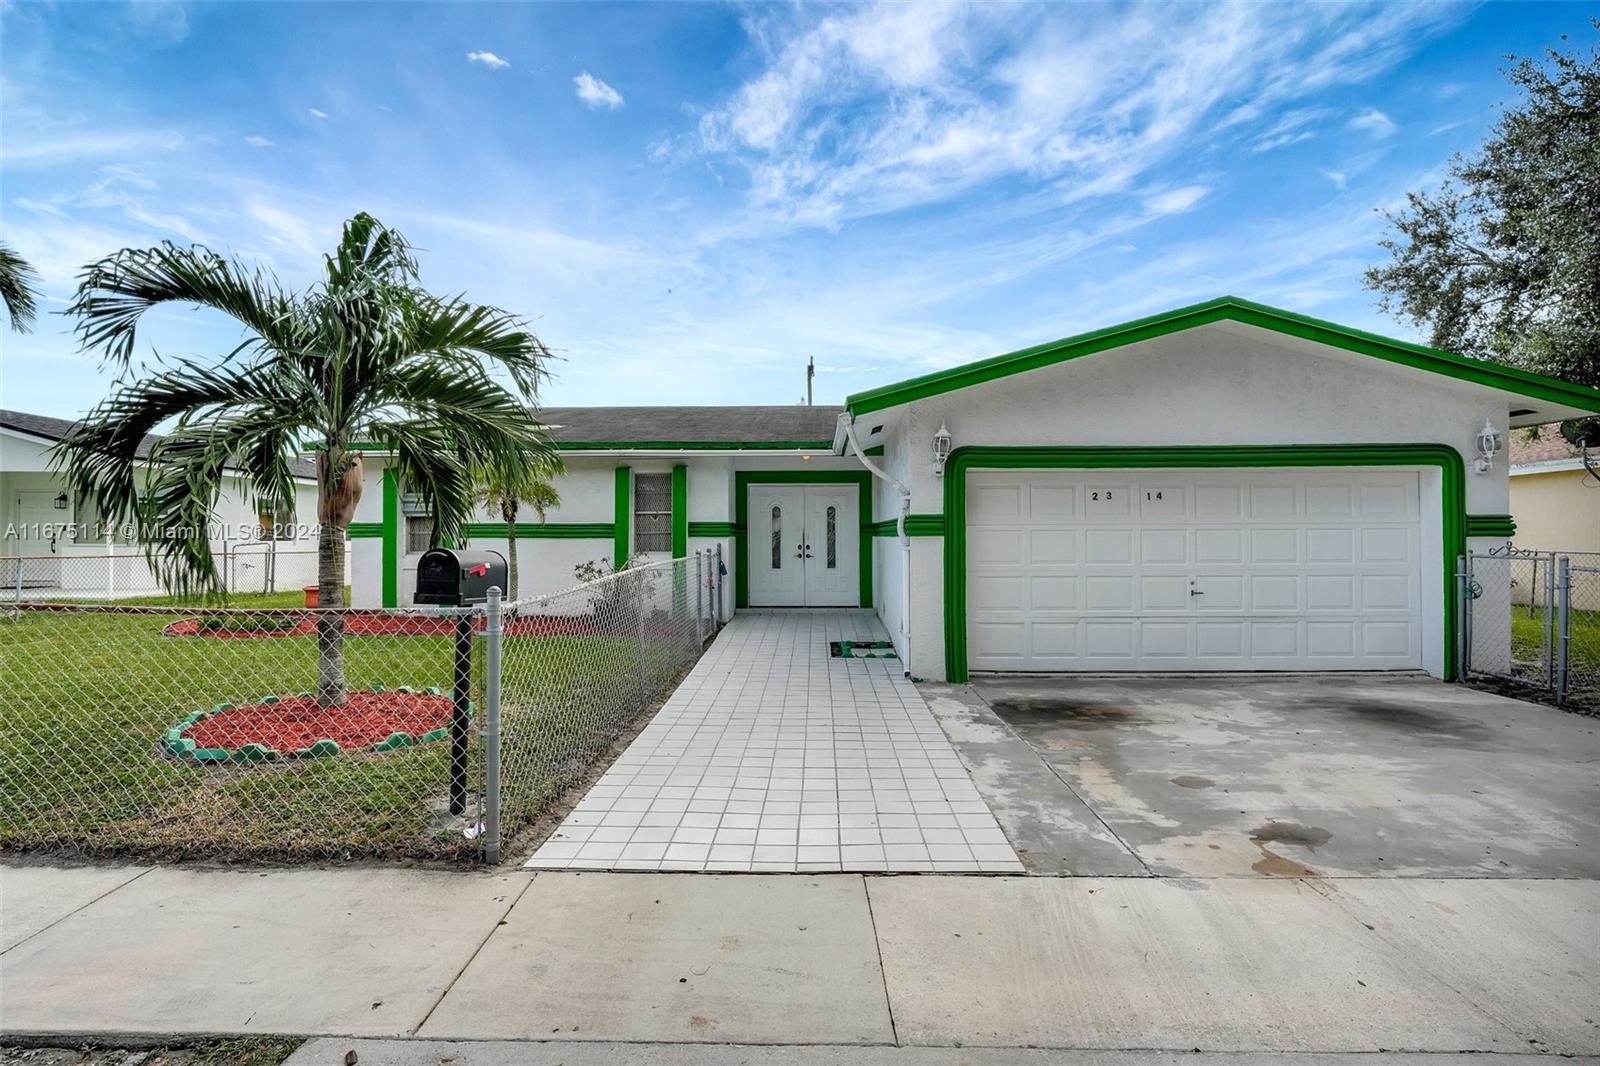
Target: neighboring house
x=1555, y=499
x=1222, y=487
x=64, y=546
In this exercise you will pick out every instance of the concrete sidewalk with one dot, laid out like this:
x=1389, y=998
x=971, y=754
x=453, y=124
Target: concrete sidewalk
x=1223, y=965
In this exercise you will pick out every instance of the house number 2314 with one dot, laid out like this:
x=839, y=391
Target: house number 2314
x=1100, y=496
x=1153, y=495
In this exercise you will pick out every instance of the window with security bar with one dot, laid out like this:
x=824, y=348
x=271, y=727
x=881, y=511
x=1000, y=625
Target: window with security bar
x=419, y=534
x=652, y=513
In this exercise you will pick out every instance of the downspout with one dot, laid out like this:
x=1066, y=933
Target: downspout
x=848, y=426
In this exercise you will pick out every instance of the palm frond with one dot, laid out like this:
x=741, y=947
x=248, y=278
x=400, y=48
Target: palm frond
x=114, y=294
x=19, y=284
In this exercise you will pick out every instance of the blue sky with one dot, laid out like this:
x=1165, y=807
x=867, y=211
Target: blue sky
x=689, y=200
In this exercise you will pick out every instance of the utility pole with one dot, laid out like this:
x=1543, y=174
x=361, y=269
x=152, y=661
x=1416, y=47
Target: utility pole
x=811, y=372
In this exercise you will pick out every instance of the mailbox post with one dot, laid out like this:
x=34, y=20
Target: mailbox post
x=448, y=578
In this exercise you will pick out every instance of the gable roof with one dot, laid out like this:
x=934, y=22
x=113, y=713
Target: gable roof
x=54, y=429
x=1230, y=308
x=709, y=428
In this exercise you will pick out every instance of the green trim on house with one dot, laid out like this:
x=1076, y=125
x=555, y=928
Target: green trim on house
x=715, y=529
x=694, y=445
x=875, y=450
x=1491, y=525
x=1228, y=308
x=1448, y=460
x=545, y=530
x=680, y=511
x=363, y=530
x=621, y=541
x=743, y=479
x=917, y=525
x=391, y=537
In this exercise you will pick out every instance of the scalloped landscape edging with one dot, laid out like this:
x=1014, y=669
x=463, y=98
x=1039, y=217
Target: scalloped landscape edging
x=175, y=744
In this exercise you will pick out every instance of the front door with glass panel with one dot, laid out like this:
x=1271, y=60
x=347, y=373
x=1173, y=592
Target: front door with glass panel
x=804, y=546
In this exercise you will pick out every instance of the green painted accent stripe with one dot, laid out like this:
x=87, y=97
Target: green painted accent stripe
x=680, y=511
x=391, y=538
x=621, y=542
x=962, y=460
x=714, y=529
x=876, y=449
x=917, y=525
x=1491, y=525
x=743, y=479
x=364, y=530
x=1228, y=308
x=546, y=530
x=693, y=445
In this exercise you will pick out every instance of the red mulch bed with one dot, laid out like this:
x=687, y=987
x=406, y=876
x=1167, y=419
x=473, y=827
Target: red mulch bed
x=297, y=722
x=379, y=624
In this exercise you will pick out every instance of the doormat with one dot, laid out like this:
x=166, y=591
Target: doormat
x=861, y=649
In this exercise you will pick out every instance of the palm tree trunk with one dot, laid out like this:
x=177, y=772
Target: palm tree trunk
x=330, y=624
x=509, y=512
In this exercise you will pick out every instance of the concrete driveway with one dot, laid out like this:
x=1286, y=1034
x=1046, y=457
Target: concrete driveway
x=1285, y=776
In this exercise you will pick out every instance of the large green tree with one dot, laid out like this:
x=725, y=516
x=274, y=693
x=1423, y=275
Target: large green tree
x=365, y=354
x=18, y=289
x=1502, y=260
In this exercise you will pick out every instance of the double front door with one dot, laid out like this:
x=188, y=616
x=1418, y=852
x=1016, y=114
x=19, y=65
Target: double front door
x=804, y=546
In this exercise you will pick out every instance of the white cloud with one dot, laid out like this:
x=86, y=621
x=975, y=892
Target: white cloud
x=596, y=93
x=872, y=110
x=314, y=113
x=258, y=141
x=1374, y=122
x=488, y=59
x=1175, y=201
x=1339, y=178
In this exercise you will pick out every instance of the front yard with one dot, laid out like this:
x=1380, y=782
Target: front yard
x=86, y=698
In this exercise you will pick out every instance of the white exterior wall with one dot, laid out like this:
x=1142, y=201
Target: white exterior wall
x=1221, y=384
x=25, y=467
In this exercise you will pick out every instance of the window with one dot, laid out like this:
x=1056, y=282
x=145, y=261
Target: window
x=833, y=552
x=777, y=537
x=274, y=523
x=419, y=534
x=652, y=513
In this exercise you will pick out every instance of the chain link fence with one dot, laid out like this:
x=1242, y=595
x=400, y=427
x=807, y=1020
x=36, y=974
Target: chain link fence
x=257, y=568
x=1532, y=618
x=298, y=734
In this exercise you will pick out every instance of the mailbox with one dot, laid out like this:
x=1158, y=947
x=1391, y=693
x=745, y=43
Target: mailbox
x=458, y=578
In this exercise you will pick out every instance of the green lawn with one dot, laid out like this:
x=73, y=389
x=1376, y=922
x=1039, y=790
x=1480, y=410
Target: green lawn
x=85, y=698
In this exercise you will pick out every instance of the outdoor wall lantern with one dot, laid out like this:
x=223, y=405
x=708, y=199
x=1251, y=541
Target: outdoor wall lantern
x=1490, y=441
x=941, y=450
x=61, y=501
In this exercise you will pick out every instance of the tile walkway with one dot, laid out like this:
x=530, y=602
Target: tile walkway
x=774, y=757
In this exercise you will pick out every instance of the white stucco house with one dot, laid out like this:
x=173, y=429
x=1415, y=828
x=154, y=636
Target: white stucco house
x=1226, y=486
x=56, y=544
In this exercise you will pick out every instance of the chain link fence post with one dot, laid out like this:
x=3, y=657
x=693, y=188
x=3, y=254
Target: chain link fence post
x=1463, y=618
x=720, y=582
x=699, y=597
x=638, y=610
x=1548, y=635
x=1563, y=626
x=494, y=635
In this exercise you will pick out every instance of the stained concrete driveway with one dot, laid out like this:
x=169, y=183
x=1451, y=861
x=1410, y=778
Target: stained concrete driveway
x=1328, y=775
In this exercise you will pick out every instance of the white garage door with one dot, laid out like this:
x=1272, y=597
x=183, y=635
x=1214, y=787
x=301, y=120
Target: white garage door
x=1193, y=570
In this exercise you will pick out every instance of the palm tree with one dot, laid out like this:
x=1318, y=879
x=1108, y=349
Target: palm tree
x=365, y=354
x=18, y=285
x=504, y=491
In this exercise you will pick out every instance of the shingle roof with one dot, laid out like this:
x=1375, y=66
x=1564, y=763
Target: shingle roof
x=747, y=426
x=57, y=429
x=1547, y=446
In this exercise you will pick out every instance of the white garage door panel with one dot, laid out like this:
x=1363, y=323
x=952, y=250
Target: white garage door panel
x=1218, y=570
